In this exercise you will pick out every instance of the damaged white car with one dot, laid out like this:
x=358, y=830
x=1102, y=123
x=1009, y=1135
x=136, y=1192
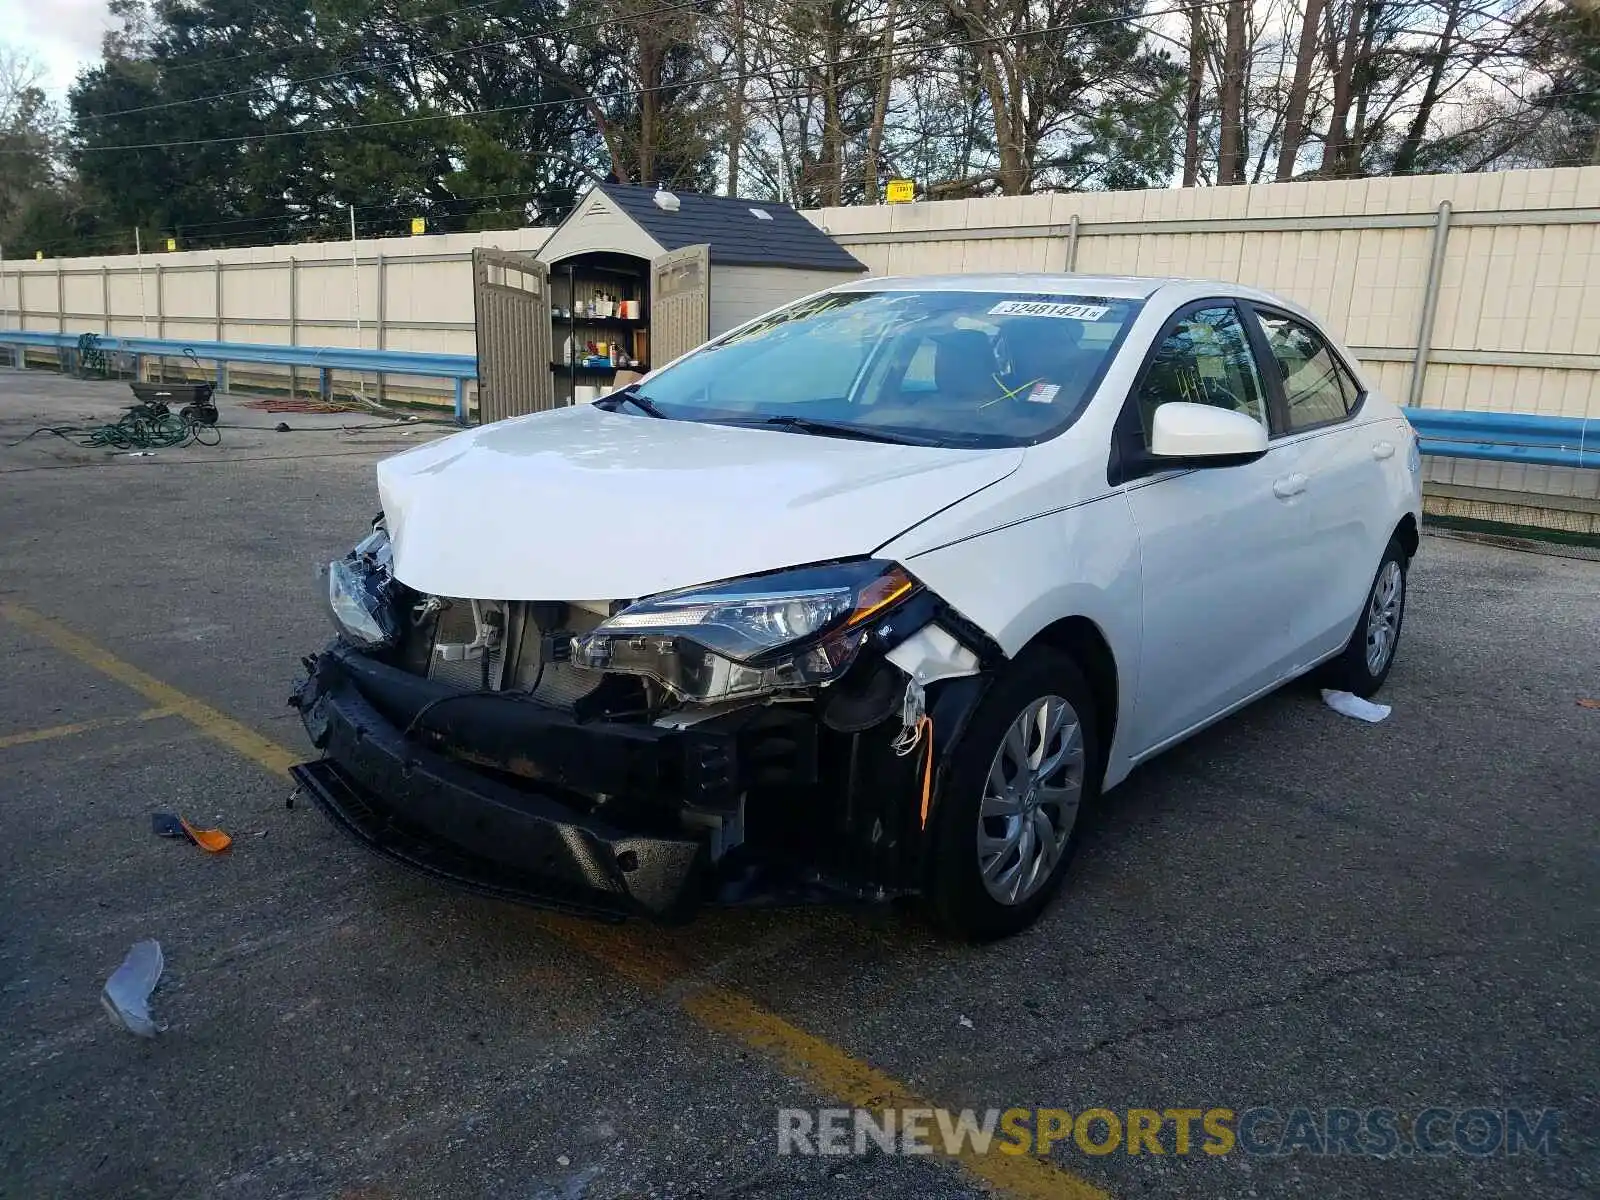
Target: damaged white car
x=867, y=598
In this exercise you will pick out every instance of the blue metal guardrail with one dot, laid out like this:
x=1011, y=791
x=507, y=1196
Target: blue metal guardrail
x=1492, y=437
x=1508, y=437
x=458, y=368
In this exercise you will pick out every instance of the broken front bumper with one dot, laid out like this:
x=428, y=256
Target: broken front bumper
x=775, y=803
x=484, y=829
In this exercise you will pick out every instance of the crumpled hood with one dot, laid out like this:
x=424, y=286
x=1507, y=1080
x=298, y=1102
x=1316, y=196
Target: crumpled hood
x=584, y=504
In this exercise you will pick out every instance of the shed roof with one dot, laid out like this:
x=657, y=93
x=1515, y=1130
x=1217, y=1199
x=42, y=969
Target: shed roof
x=736, y=235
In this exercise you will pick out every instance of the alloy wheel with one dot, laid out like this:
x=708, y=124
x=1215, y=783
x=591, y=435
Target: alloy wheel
x=1030, y=800
x=1383, y=615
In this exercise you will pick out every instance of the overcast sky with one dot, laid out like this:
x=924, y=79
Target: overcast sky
x=62, y=35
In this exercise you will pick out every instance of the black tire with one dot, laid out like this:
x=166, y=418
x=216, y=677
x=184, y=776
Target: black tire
x=1352, y=670
x=959, y=900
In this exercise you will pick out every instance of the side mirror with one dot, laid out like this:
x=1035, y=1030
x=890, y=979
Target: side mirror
x=1205, y=435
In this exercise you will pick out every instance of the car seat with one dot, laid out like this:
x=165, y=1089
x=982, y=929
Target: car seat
x=963, y=369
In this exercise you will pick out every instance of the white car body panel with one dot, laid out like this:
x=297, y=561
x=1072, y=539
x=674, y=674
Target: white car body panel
x=1023, y=577
x=1218, y=553
x=1210, y=586
x=1350, y=501
x=583, y=503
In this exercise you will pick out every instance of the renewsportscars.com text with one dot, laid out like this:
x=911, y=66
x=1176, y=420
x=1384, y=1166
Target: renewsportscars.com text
x=1262, y=1132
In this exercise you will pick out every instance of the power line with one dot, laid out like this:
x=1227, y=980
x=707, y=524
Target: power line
x=632, y=93
x=426, y=203
x=302, y=48
x=494, y=43
x=303, y=223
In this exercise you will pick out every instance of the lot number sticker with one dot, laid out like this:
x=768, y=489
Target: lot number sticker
x=1048, y=308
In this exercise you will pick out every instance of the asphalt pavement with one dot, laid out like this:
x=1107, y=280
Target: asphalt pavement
x=1292, y=910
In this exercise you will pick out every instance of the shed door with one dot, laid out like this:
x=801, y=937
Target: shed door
x=511, y=310
x=680, y=303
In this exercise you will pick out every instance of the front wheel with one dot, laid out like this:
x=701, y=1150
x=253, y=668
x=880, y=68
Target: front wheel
x=1023, y=769
x=1364, y=663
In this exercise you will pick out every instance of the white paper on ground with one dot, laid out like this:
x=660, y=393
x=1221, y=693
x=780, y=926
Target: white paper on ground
x=127, y=994
x=1352, y=705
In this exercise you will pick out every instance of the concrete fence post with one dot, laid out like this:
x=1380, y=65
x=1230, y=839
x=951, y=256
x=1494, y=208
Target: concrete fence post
x=105, y=299
x=1430, y=304
x=1072, y=245
x=61, y=300
x=216, y=299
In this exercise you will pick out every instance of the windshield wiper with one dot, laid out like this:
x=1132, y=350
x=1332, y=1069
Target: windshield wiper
x=636, y=398
x=842, y=429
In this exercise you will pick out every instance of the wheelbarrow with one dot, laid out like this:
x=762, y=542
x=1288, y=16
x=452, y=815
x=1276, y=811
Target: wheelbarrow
x=194, y=399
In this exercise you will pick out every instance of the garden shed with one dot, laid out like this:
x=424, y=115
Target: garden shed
x=634, y=277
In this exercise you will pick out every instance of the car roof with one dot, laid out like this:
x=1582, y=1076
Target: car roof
x=1117, y=287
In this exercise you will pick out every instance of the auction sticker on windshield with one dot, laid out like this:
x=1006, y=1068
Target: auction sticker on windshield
x=1048, y=308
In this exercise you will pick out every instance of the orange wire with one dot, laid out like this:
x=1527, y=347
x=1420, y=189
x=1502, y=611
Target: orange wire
x=925, y=726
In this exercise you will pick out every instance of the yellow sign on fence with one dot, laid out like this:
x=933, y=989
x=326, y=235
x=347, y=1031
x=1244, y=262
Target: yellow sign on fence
x=901, y=191
x=419, y=226
x=172, y=243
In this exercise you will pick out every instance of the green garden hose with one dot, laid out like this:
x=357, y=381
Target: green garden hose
x=144, y=427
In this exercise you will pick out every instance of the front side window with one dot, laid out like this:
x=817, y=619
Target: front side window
x=1316, y=387
x=956, y=368
x=1206, y=359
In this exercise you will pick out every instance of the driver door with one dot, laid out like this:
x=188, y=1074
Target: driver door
x=1217, y=544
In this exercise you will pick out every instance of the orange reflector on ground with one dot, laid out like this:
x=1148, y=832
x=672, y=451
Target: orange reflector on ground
x=213, y=840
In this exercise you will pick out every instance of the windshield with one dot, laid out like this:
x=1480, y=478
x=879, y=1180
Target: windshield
x=941, y=367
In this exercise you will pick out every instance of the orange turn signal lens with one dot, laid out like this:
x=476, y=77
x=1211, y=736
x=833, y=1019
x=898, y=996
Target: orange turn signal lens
x=889, y=588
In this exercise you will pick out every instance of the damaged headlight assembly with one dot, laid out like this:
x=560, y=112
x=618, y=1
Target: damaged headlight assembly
x=747, y=637
x=361, y=592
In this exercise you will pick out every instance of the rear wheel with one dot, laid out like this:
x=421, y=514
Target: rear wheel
x=1364, y=663
x=1027, y=763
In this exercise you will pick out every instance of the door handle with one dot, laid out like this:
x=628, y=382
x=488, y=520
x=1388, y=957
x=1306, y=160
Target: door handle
x=1289, y=485
x=1382, y=450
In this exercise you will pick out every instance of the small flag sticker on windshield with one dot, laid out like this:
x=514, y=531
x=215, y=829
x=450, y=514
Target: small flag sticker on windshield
x=1048, y=308
x=1044, y=393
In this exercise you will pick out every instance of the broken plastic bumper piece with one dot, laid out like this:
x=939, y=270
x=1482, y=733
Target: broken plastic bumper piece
x=489, y=830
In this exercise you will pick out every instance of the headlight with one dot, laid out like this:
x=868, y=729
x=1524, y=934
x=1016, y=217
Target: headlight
x=748, y=636
x=361, y=593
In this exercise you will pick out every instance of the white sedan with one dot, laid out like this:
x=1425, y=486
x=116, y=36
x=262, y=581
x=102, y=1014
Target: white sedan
x=864, y=599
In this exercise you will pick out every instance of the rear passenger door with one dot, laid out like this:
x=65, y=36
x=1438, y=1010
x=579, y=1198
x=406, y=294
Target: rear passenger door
x=1338, y=461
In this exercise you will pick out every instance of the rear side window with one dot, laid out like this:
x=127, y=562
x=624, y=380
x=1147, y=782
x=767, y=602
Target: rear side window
x=1316, y=387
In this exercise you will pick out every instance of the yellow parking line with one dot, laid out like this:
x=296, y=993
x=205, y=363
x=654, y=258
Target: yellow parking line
x=826, y=1068
x=208, y=720
x=60, y=731
x=820, y=1064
